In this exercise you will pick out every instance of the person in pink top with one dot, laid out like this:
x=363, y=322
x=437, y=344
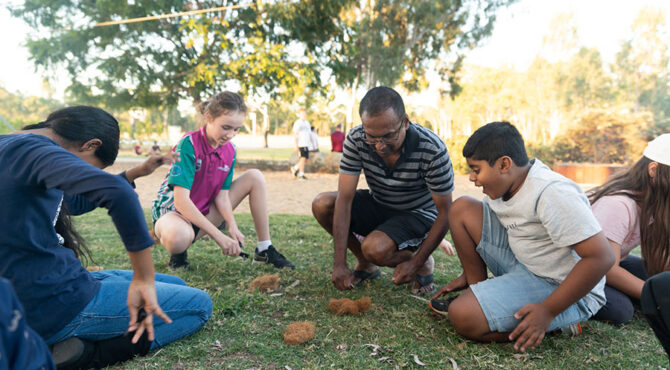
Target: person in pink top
x=199, y=194
x=633, y=208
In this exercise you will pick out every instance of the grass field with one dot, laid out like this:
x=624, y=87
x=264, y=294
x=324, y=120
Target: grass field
x=244, y=154
x=246, y=328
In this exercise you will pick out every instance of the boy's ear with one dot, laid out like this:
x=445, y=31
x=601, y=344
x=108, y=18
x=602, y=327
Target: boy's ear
x=505, y=164
x=91, y=145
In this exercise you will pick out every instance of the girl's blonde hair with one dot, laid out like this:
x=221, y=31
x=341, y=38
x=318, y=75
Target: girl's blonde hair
x=222, y=103
x=653, y=198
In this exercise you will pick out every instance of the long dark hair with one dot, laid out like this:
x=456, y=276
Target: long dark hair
x=653, y=198
x=77, y=125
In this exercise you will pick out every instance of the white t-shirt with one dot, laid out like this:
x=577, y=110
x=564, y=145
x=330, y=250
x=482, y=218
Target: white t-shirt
x=313, y=141
x=302, y=129
x=544, y=219
x=619, y=216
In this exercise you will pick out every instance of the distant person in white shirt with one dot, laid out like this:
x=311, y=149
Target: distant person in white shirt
x=314, y=140
x=303, y=139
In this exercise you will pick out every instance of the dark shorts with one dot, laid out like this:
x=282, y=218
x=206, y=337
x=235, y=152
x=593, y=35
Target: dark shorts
x=304, y=152
x=196, y=229
x=406, y=229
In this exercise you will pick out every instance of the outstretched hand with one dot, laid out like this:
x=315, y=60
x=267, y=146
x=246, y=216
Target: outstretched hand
x=155, y=161
x=455, y=285
x=535, y=320
x=143, y=295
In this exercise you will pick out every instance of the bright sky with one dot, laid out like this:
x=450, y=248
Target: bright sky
x=516, y=39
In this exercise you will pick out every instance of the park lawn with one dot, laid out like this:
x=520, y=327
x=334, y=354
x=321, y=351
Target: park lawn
x=243, y=154
x=246, y=328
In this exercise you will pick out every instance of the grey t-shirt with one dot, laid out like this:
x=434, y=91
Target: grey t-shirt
x=544, y=219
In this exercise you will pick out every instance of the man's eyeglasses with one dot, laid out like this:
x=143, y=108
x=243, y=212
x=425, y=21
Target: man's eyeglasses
x=387, y=139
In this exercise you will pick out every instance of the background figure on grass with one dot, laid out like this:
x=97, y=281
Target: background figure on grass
x=302, y=138
x=535, y=231
x=313, y=140
x=53, y=169
x=402, y=218
x=156, y=149
x=633, y=209
x=337, y=139
x=198, y=195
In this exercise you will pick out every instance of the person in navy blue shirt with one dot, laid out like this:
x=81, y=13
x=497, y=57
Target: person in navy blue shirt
x=20, y=346
x=53, y=169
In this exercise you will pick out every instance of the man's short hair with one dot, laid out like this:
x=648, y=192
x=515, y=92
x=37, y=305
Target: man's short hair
x=379, y=99
x=494, y=140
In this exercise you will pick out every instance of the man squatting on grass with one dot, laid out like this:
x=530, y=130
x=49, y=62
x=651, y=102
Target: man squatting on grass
x=536, y=233
x=402, y=218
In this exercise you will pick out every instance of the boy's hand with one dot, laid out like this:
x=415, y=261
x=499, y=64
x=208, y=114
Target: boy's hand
x=535, y=320
x=455, y=285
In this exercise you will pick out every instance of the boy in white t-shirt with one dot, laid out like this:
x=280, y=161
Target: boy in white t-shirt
x=303, y=138
x=536, y=233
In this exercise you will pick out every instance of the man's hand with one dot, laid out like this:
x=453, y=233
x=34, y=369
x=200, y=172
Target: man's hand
x=535, y=320
x=404, y=273
x=143, y=295
x=343, y=278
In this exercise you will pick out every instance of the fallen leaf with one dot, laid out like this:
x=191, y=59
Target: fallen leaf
x=375, y=348
x=417, y=361
x=385, y=359
x=453, y=363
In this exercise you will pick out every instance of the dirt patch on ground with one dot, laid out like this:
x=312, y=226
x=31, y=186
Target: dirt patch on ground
x=285, y=194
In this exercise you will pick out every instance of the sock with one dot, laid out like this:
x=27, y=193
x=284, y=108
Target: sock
x=301, y=174
x=261, y=246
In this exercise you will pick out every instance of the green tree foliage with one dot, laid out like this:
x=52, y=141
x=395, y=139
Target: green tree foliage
x=604, y=137
x=21, y=110
x=157, y=63
x=642, y=65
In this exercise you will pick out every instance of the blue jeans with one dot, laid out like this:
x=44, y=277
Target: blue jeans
x=514, y=285
x=106, y=316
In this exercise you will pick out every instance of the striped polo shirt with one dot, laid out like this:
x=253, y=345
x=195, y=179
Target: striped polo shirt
x=423, y=168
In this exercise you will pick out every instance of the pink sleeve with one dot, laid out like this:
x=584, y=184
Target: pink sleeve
x=616, y=215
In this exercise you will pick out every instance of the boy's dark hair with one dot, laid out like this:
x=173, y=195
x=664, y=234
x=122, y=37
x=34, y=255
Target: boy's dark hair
x=379, y=99
x=79, y=124
x=494, y=140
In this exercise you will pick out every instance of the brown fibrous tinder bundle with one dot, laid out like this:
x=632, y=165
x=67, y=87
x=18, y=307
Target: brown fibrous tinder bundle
x=299, y=332
x=266, y=283
x=346, y=306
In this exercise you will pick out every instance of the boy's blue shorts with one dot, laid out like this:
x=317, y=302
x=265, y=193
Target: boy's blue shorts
x=513, y=285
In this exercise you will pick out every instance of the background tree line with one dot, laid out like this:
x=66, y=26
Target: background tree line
x=321, y=54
